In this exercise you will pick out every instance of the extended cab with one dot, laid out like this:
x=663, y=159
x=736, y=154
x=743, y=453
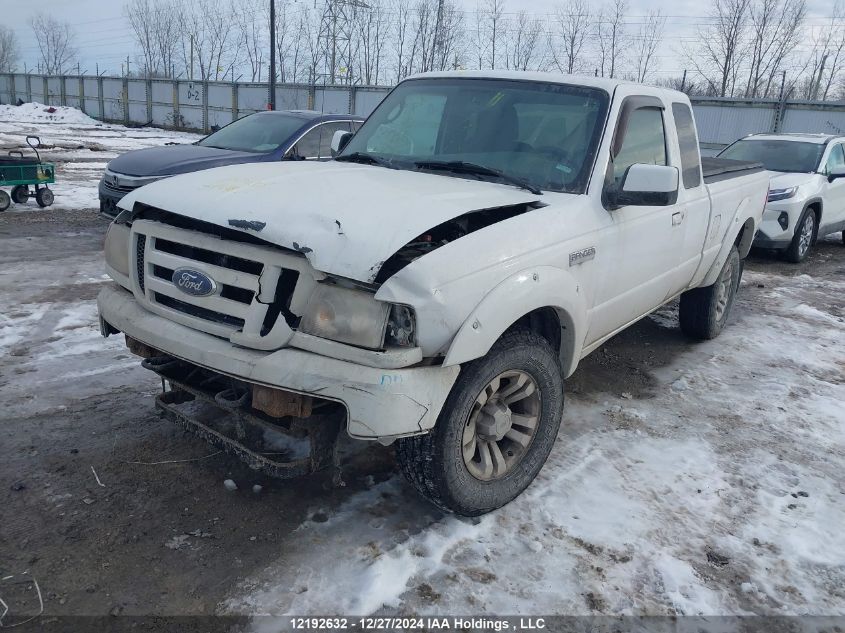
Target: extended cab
x=434, y=285
x=807, y=189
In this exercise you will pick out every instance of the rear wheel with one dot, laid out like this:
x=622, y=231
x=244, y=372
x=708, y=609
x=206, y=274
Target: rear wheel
x=20, y=194
x=44, y=197
x=805, y=234
x=5, y=200
x=704, y=311
x=495, y=431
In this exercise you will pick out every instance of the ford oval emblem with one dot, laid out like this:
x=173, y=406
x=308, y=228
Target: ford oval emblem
x=193, y=282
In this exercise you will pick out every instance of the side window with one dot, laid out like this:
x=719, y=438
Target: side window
x=318, y=142
x=836, y=160
x=356, y=125
x=690, y=155
x=644, y=142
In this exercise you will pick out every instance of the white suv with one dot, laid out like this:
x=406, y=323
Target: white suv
x=807, y=192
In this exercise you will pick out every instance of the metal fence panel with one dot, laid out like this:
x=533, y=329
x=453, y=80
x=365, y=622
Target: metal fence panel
x=293, y=98
x=5, y=88
x=366, y=99
x=54, y=89
x=37, y=83
x=814, y=118
x=723, y=123
x=251, y=98
x=332, y=100
x=113, y=99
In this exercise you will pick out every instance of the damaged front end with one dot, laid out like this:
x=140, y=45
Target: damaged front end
x=277, y=432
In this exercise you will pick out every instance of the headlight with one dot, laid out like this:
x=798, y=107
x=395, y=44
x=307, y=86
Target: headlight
x=346, y=316
x=117, y=248
x=782, y=194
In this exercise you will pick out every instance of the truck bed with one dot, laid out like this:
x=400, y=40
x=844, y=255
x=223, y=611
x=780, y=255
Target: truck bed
x=716, y=169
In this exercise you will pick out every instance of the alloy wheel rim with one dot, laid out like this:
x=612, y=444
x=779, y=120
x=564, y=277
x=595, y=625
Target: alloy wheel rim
x=806, y=233
x=501, y=425
x=723, y=294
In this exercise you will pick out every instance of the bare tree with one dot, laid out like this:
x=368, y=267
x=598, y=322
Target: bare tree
x=372, y=34
x=55, y=41
x=492, y=27
x=8, y=49
x=401, y=38
x=251, y=33
x=718, y=58
x=521, y=44
x=573, y=28
x=611, y=37
x=827, y=57
x=142, y=19
x=645, y=46
x=776, y=28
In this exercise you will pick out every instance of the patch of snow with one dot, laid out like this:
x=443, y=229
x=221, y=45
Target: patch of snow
x=39, y=113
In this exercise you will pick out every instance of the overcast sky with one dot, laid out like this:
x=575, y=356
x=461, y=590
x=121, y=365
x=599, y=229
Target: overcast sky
x=104, y=37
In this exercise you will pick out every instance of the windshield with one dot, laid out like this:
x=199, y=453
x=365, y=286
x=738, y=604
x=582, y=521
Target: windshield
x=255, y=133
x=540, y=133
x=777, y=155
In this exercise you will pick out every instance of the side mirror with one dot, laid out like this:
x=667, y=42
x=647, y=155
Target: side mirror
x=339, y=140
x=836, y=172
x=647, y=185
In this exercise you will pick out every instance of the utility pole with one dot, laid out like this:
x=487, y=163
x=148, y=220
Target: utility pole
x=271, y=104
x=127, y=65
x=192, y=58
x=684, y=80
x=437, y=26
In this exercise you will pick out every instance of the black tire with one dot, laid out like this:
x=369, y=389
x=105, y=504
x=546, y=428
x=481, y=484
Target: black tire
x=843, y=237
x=800, y=246
x=5, y=200
x=44, y=197
x=702, y=314
x=435, y=463
x=20, y=194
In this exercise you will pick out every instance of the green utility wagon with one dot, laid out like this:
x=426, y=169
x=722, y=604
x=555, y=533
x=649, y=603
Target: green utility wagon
x=19, y=173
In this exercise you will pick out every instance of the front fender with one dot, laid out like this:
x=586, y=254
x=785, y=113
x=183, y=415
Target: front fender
x=516, y=296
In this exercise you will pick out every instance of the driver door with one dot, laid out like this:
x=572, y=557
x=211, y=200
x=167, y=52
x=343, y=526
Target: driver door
x=642, y=243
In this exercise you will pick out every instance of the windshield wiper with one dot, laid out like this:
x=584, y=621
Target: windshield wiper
x=461, y=167
x=363, y=157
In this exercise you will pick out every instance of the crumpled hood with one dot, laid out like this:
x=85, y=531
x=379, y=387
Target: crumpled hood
x=177, y=159
x=347, y=219
x=781, y=180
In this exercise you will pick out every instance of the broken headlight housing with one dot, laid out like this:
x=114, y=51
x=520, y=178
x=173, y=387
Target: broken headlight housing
x=345, y=315
x=353, y=316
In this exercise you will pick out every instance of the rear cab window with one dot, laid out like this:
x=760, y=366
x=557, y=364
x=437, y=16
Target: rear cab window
x=688, y=145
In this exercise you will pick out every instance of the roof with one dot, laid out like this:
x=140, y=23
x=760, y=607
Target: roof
x=604, y=83
x=821, y=139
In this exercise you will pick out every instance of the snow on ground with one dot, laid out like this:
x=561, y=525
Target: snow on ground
x=79, y=145
x=721, y=494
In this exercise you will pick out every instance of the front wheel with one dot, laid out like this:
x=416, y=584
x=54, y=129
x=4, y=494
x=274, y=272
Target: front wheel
x=495, y=431
x=704, y=311
x=44, y=197
x=805, y=233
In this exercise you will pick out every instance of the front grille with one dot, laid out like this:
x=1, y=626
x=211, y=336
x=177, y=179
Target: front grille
x=240, y=273
x=201, y=313
x=140, y=248
x=118, y=188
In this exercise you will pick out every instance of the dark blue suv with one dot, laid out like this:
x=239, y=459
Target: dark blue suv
x=256, y=138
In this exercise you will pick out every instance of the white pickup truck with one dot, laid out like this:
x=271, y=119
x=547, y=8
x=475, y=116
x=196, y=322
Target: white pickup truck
x=434, y=284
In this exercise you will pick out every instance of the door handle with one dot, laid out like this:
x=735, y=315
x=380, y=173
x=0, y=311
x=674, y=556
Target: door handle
x=677, y=218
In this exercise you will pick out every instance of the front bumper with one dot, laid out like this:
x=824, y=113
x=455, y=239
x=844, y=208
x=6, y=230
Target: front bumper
x=777, y=226
x=380, y=403
x=109, y=200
